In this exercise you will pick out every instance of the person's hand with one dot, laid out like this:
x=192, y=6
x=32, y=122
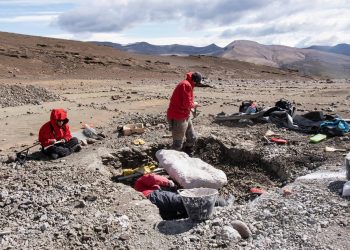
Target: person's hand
x=52, y=141
x=62, y=141
x=171, y=184
x=196, y=104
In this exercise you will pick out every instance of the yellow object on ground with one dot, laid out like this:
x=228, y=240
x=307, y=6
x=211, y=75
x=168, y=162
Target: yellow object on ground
x=139, y=142
x=146, y=169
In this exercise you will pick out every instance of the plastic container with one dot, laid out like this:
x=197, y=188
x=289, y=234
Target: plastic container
x=346, y=189
x=199, y=202
x=136, y=128
x=347, y=166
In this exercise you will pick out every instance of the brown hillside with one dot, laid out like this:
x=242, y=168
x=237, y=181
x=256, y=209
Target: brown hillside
x=306, y=61
x=25, y=56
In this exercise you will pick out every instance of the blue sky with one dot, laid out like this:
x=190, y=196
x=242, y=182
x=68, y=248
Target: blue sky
x=297, y=23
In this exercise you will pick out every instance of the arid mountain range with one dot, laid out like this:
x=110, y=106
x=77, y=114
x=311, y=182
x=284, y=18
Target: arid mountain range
x=23, y=56
x=316, y=60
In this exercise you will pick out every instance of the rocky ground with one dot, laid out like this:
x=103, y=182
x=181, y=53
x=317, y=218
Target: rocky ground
x=74, y=203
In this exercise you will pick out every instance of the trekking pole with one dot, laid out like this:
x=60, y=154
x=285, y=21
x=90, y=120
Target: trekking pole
x=21, y=156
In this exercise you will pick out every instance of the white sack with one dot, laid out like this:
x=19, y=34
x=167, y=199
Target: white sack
x=190, y=172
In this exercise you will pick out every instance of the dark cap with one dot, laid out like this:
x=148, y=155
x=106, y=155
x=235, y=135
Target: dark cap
x=197, y=77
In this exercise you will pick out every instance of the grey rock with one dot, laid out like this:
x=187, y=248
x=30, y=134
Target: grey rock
x=229, y=233
x=242, y=228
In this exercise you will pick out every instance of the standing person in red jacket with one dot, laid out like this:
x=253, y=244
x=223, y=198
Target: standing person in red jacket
x=180, y=107
x=55, y=136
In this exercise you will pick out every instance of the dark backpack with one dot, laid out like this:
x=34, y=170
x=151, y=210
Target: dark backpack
x=244, y=106
x=284, y=104
x=337, y=127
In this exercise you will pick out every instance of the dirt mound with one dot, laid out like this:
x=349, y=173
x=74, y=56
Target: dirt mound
x=16, y=95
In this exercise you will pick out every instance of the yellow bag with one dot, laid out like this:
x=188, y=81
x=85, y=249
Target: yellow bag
x=146, y=169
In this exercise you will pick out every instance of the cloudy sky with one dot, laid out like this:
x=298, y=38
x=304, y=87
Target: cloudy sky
x=297, y=23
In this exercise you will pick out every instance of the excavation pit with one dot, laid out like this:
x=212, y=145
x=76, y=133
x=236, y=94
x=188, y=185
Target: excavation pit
x=261, y=167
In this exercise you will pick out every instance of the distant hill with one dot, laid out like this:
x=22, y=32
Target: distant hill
x=34, y=57
x=174, y=49
x=306, y=61
x=343, y=48
x=323, y=61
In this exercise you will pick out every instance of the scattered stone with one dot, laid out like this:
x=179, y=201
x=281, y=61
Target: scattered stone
x=242, y=228
x=44, y=227
x=80, y=204
x=90, y=198
x=91, y=140
x=229, y=233
x=11, y=158
x=5, y=232
x=16, y=95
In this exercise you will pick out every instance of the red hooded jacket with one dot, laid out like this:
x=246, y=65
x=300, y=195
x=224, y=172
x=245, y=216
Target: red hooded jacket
x=150, y=182
x=50, y=130
x=181, y=101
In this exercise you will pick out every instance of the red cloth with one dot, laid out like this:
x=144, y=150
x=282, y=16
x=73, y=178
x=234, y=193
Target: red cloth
x=181, y=101
x=150, y=182
x=50, y=130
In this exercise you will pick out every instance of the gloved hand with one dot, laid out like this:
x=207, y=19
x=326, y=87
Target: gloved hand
x=52, y=141
x=196, y=105
x=171, y=184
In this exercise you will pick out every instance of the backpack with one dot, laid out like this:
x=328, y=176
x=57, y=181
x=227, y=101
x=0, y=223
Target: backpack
x=337, y=127
x=284, y=104
x=244, y=106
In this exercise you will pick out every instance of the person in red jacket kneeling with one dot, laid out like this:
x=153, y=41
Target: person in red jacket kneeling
x=55, y=137
x=162, y=192
x=157, y=189
x=179, y=111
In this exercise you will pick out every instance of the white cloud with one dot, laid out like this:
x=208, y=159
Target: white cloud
x=198, y=22
x=37, y=2
x=26, y=19
x=114, y=16
x=295, y=22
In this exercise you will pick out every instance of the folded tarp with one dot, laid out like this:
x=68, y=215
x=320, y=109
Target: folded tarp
x=238, y=116
x=190, y=172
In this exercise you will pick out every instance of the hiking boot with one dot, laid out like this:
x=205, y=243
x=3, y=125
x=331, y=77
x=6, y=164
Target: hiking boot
x=54, y=156
x=189, y=151
x=76, y=148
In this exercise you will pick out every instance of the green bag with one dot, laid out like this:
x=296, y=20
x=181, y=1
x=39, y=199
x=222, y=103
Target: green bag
x=317, y=138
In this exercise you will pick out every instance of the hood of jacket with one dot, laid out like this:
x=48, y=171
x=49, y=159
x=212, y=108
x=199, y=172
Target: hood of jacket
x=189, y=79
x=58, y=114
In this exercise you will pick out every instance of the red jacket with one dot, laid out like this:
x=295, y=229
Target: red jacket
x=50, y=130
x=181, y=101
x=150, y=182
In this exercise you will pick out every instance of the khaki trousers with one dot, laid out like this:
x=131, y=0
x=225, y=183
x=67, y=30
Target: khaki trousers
x=182, y=129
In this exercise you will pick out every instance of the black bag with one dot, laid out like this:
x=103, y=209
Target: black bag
x=332, y=131
x=283, y=104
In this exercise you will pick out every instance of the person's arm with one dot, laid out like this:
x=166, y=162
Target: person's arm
x=152, y=180
x=188, y=103
x=67, y=135
x=46, y=137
